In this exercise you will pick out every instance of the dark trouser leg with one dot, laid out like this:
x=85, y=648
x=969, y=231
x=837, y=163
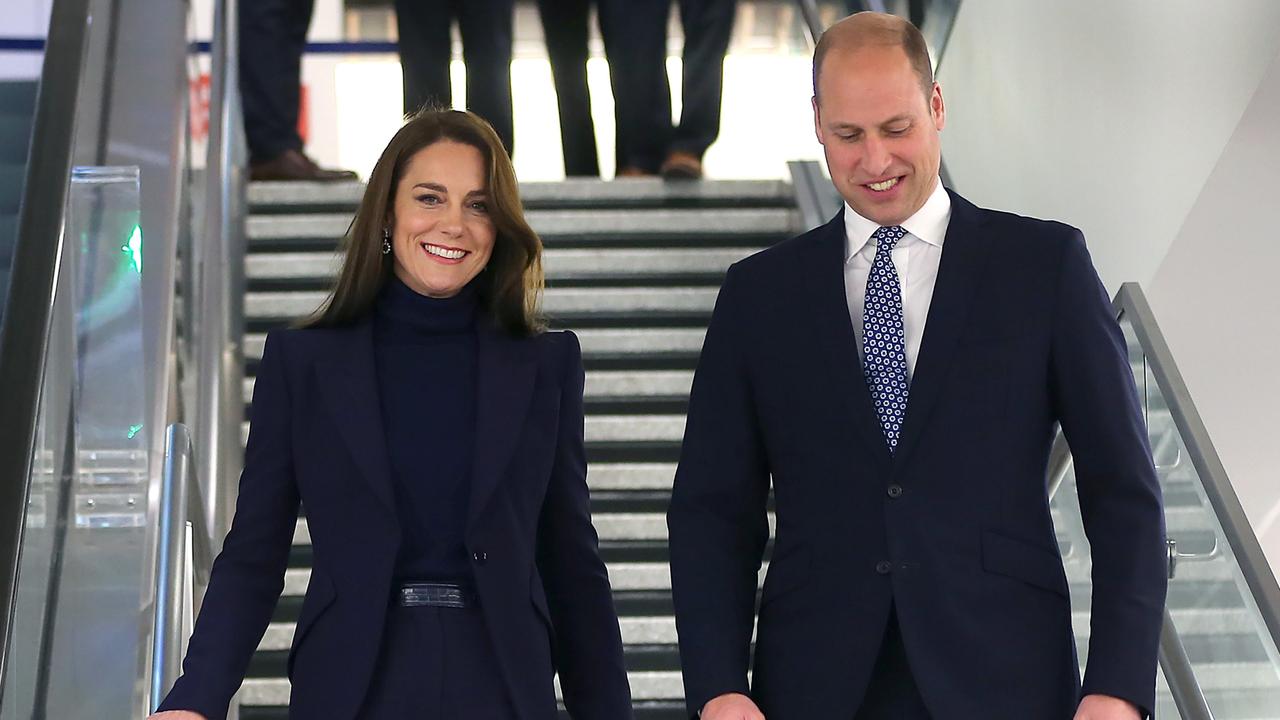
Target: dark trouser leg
x=915, y=12
x=408, y=681
x=273, y=34
x=474, y=686
x=892, y=693
x=425, y=51
x=486, y=48
x=708, y=25
x=564, y=23
x=638, y=73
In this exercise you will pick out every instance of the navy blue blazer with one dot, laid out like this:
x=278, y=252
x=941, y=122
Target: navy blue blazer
x=953, y=528
x=317, y=437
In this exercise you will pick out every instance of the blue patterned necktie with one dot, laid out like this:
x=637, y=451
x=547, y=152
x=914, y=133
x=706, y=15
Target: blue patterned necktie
x=884, y=339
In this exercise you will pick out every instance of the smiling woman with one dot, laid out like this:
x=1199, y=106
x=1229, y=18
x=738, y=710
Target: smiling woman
x=442, y=209
x=434, y=434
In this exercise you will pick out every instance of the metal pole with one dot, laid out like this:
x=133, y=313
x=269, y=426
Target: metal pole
x=167, y=625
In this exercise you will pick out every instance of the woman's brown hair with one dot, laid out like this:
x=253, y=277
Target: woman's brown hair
x=511, y=284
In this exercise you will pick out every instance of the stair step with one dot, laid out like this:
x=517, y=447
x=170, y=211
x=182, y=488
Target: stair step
x=317, y=270
x=755, y=227
x=293, y=197
x=557, y=302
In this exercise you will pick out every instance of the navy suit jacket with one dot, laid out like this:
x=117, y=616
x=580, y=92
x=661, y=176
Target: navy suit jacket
x=954, y=528
x=317, y=437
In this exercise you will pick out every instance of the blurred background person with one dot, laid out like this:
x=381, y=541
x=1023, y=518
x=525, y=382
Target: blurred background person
x=273, y=34
x=566, y=28
x=649, y=142
x=426, y=49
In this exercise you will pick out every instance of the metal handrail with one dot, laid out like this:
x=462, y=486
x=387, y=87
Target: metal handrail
x=1257, y=573
x=166, y=636
x=221, y=283
x=181, y=504
x=24, y=332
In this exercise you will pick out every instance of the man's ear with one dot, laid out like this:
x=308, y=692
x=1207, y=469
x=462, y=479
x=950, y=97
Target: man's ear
x=817, y=119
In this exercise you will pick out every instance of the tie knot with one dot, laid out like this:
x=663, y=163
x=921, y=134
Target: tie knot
x=889, y=236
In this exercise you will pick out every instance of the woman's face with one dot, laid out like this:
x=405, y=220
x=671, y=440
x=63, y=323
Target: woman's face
x=441, y=232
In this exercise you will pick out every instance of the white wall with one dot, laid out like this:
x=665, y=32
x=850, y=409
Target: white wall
x=23, y=19
x=1218, y=301
x=1128, y=120
x=1107, y=115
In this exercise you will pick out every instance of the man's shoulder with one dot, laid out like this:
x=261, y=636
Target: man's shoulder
x=781, y=257
x=1022, y=227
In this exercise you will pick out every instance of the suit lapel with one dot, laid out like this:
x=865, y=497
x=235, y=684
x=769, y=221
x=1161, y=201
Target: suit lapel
x=349, y=385
x=830, y=309
x=504, y=387
x=964, y=255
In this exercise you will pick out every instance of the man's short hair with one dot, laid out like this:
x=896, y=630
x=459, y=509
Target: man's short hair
x=876, y=29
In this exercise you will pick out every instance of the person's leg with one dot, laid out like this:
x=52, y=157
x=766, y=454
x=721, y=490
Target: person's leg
x=892, y=693
x=425, y=51
x=708, y=25
x=408, y=681
x=474, y=686
x=637, y=30
x=915, y=12
x=565, y=27
x=486, y=49
x=273, y=34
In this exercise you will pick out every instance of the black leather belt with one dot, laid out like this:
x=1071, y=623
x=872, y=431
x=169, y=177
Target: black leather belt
x=450, y=595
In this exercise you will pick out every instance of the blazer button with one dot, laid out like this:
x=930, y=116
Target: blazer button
x=895, y=490
x=480, y=557
x=884, y=567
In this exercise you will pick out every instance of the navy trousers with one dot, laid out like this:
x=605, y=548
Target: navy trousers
x=426, y=48
x=892, y=693
x=638, y=71
x=566, y=27
x=437, y=664
x=273, y=34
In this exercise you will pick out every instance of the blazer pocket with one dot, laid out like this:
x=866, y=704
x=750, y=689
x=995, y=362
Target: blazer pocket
x=320, y=595
x=1024, y=560
x=787, y=572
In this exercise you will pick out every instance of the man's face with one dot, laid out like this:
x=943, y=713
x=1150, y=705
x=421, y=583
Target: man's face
x=878, y=131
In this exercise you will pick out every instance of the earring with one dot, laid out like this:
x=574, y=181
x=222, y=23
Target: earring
x=386, y=241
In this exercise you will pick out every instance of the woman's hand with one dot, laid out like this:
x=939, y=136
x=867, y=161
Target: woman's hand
x=177, y=715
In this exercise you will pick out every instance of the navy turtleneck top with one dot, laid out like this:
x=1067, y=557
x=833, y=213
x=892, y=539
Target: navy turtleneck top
x=425, y=352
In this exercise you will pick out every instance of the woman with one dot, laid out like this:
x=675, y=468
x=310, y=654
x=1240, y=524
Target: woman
x=435, y=437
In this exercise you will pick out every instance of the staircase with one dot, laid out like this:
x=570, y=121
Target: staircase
x=17, y=108
x=633, y=267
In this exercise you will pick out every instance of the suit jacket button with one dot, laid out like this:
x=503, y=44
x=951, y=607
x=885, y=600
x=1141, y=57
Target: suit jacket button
x=480, y=557
x=895, y=490
x=884, y=567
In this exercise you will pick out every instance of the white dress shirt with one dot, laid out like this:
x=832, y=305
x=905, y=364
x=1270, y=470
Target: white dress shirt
x=916, y=257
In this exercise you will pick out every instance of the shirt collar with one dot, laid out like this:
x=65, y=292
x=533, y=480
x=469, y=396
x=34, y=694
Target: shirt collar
x=929, y=223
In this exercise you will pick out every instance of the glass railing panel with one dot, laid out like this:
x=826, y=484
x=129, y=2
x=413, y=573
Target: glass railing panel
x=1232, y=653
x=84, y=594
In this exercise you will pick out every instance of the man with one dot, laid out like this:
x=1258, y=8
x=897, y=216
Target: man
x=648, y=142
x=915, y=572
x=426, y=50
x=273, y=34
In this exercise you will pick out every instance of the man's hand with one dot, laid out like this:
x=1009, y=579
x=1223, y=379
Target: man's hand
x=177, y=715
x=733, y=706
x=1106, y=707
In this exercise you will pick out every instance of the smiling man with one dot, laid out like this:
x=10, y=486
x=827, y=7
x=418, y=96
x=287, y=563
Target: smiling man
x=896, y=376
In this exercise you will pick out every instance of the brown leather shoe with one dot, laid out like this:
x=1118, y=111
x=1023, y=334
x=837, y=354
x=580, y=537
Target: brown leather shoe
x=633, y=171
x=294, y=165
x=681, y=165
